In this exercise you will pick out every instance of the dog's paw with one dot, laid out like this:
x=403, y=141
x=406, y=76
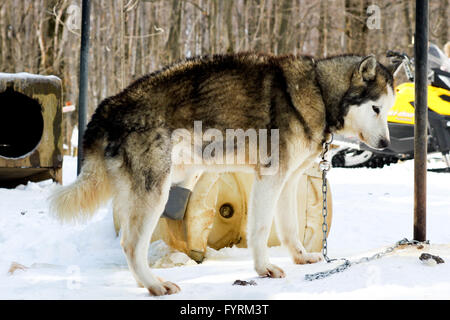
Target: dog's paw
x=163, y=288
x=271, y=271
x=171, y=287
x=306, y=258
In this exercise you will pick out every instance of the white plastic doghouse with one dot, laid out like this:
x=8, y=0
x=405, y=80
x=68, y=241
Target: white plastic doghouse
x=216, y=214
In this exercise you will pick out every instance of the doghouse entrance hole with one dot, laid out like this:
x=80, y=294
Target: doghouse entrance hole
x=21, y=124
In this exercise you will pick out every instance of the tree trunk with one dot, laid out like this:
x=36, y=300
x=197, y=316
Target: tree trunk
x=229, y=25
x=443, y=19
x=173, y=44
x=355, y=25
x=323, y=30
x=408, y=23
x=282, y=33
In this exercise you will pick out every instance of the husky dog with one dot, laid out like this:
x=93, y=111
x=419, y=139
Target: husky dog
x=129, y=151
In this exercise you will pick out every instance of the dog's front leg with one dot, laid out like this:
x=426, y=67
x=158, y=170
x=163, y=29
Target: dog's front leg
x=287, y=222
x=265, y=193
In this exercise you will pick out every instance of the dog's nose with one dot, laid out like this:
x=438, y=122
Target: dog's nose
x=383, y=143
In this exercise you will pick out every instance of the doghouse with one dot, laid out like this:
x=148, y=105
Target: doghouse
x=30, y=128
x=216, y=214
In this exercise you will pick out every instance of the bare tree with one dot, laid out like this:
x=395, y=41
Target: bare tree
x=355, y=25
x=130, y=38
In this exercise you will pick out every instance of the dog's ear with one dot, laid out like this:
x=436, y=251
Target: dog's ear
x=394, y=66
x=367, y=68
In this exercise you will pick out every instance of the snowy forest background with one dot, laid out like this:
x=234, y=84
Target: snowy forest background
x=130, y=38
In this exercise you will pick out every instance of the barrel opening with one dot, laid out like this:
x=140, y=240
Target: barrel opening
x=21, y=124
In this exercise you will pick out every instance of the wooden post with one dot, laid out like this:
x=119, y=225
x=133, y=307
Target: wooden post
x=421, y=120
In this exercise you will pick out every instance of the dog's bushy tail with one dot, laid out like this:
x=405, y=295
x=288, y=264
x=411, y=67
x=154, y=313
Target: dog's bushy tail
x=79, y=201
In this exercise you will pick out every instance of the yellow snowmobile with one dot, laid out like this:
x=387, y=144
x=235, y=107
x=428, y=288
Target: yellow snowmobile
x=353, y=154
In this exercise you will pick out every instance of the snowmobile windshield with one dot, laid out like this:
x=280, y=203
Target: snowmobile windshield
x=439, y=63
x=437, y=59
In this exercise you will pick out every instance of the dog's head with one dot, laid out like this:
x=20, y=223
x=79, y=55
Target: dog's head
x=368, y=100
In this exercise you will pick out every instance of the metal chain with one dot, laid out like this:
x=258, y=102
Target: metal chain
x=347, y=263
x=325, y=166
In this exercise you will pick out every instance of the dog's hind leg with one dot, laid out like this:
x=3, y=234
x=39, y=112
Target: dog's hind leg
x=286, y=221
x=146, y=179
x=144, y=210
x=265, y=192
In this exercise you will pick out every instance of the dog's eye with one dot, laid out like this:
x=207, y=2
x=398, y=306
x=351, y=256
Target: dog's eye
x=376, y=109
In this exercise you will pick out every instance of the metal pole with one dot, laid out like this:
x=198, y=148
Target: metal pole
x=83, y=82
x=421, y=120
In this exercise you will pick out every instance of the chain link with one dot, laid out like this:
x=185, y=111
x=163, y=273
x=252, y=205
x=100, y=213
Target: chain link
x=325, y=166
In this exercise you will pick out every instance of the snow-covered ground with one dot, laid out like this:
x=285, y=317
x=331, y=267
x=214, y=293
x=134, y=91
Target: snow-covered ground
x=372, y=210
